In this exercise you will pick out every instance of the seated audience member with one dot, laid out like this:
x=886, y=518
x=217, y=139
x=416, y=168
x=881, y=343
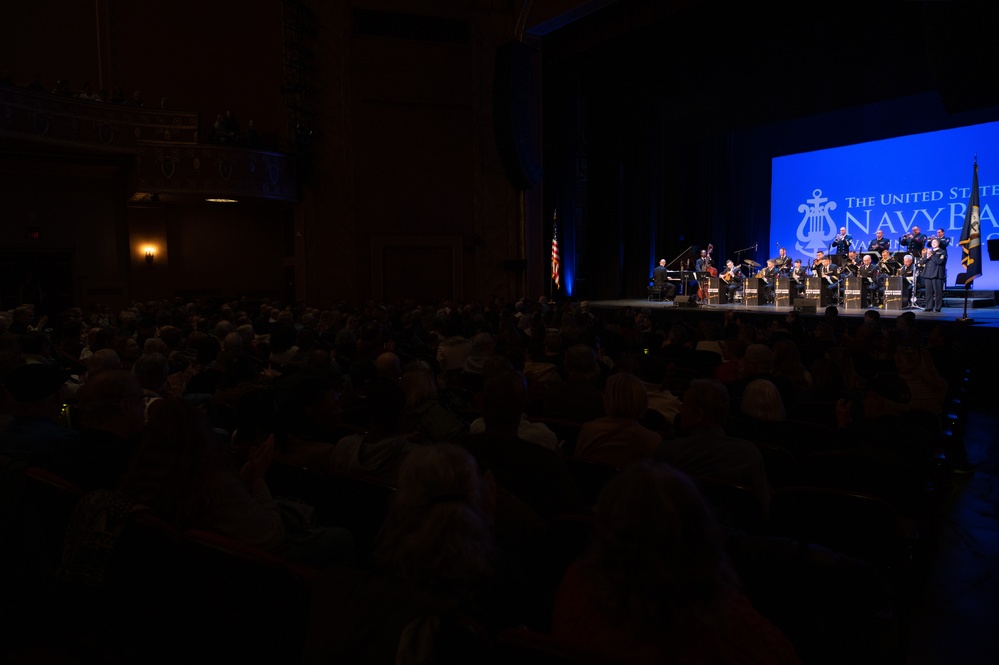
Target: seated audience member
x=182, y=474
x=761, y=401
x=113, y=417
x=35, y=433
x=380, y=452
x=618, y=439
x=152, y=370
x=707, y=450
x=578, y=397
x=527, y=430
x=425, y=414
x=534, y=474
x=655, y=585
x=433, y=555
x=185, y=477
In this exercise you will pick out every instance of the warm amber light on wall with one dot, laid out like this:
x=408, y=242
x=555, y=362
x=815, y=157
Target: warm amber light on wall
x=150, y=252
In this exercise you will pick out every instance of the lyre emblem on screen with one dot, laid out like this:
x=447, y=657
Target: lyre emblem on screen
x=817, y=227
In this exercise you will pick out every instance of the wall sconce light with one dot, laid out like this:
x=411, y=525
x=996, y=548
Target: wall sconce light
x=150, y=253
x=149, y=257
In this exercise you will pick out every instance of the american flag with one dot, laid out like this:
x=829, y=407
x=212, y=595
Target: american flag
x=556, y=260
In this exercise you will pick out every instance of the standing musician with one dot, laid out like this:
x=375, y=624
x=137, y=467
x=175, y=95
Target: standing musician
x=798, y=275
x=769, y=275
x=934, y=275
x=660, y=280
x=783, y=262
x=841, y=243
x=705, y=263
x=879, y=243
x=867, y=271
x=914, y=241
x=733, y=277
x=944, y=240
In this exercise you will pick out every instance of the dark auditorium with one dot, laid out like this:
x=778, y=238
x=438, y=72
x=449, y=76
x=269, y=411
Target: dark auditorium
x=551, y=332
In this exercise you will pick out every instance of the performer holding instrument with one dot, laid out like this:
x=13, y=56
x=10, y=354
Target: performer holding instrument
x=732, y=275
x=798, y=275
x=887, y=266
x=817, y=263
x=908, y=275
x=830, y=272
x=942, y=239
x=769, y=276
x=914, y=241
x=704, y=266
x=782, y=262
x=867, y=271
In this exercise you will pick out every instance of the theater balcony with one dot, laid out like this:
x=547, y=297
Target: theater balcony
x=165, y=147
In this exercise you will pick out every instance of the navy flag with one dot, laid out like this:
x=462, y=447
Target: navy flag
x=971, y=236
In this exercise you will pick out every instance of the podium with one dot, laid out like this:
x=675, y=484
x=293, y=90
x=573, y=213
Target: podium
x=815, y=289
x=784, y=292
x=754, y=291
x=715, y=288
x=894, y=299
x=854, y=296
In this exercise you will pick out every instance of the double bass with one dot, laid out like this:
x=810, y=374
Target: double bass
x=702, y=291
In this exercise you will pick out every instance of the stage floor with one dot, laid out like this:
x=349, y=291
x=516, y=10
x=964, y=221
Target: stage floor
x=980, y=316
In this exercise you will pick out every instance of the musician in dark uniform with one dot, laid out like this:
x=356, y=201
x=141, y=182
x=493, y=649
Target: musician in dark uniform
x=914, y=241
x=888, y=267
x=733, y=277
x=905, y=271
x=850, y=263
x=769, y=276
x=817, y=263
x=831, y=274
x=934, y=275
x=702, y=264
x=943, y=239
x=841, y=243
x=660, y=280
x=798, y=275
x=879, y=243
x=867, y=271
x=783, y=262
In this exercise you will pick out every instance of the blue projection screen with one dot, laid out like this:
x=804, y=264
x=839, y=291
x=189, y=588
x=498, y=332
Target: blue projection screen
x=920, y=180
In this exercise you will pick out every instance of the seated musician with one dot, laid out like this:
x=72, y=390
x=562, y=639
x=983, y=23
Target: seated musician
x=888, y=267
x=733, y=277
x=817, y=263
x=798, y=275
x=879, y=243
x=906, y=273
x=868, y=273
x=769, y=276
x=830, y=272
x=660, y=280
x=850, y=263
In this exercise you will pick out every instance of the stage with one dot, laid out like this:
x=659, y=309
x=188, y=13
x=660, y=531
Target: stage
x=986, y=317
